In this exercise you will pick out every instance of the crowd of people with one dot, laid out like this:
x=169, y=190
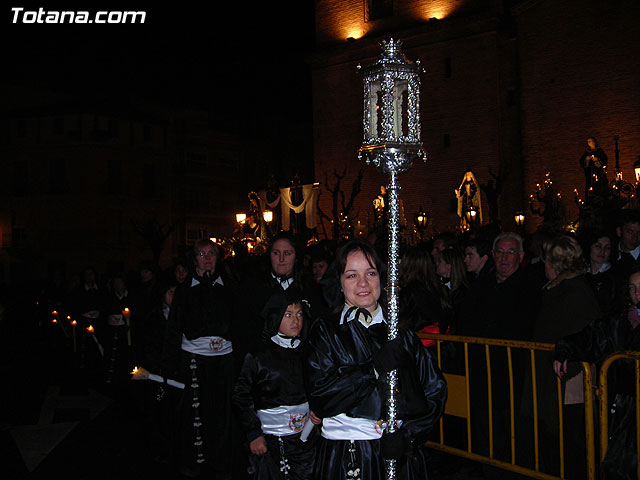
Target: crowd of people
x=275, y=366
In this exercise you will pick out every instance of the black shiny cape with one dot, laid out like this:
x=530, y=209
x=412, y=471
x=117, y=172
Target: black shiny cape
x=269, y=378
x=339, y=378
x=593, y=344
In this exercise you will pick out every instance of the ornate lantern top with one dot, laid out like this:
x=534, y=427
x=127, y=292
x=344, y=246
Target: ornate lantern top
x=391, y=116
x=392, y=58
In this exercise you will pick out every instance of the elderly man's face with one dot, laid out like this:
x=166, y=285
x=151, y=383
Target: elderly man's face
x=507, y=258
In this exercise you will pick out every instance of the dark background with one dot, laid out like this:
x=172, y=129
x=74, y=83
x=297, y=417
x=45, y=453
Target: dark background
x=221, y=58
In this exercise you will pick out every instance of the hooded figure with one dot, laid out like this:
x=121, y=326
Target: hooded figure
x=269, y=396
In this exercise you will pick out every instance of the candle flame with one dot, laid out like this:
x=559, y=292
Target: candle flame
x=90, y=329
x=74, y=323
x=54, y=312
x=135, y=370
x=53, y=320
x=126, y=311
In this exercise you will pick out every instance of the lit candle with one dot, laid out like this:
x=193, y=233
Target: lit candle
x=91, y=330
x=126, y=313
x=74, y=324
x=140, y=373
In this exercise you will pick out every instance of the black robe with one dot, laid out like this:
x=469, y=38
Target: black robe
x=205, y=434
x=272, y=377
x=340, y=379
x=593, y=344
x=257, y=288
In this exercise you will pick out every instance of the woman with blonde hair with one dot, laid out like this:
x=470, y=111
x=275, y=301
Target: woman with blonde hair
x=568, y=304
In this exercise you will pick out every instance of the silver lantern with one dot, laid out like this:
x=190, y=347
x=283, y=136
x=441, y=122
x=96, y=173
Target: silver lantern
x=392, y=142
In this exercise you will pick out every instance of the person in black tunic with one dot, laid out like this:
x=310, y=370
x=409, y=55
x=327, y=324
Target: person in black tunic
x=619, y=331
x=346, y=357
x=269, y=396
x=198, y=351
x=283, y=270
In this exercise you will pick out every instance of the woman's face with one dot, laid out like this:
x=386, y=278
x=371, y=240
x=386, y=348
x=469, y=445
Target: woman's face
x=634, y=288
x=168, y=296
x=206, y=259
x=181, y=273
x=601, y=250
x=444, y=269
x=283, y=257
x=291, y=324
x=360, y=282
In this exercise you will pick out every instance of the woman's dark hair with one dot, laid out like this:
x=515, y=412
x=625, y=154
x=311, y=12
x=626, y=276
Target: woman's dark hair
x=455, y=258
x=417, y=266
x=588, y=239
x=370, y=253
x=284, y=236
x=357, y=246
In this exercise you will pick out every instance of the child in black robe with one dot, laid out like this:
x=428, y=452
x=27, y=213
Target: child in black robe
x=269, y=395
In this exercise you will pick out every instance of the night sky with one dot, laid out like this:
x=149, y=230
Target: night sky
x=211, y=57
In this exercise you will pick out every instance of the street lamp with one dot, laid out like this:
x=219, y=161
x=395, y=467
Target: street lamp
x=421, y=221
x=636, y=168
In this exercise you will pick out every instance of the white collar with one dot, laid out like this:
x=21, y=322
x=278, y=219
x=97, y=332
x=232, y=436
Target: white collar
x=377, y=316
x=634, y=253
x=195, y=282
x=603, y=268
x=283, y=283
x=285, y=342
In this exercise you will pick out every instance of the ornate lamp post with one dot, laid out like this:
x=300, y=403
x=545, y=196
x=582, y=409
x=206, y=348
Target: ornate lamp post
x=391, y=142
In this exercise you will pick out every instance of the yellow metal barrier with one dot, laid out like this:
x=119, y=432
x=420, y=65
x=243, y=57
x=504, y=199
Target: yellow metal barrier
x=604, y=400
x=459, y=405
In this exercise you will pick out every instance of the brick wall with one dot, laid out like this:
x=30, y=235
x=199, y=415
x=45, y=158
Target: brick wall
x=490, y=98
x=580, y=74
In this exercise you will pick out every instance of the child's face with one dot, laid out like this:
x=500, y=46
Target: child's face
x=291, y=323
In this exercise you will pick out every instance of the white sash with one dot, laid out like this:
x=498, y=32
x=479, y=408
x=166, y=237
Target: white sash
x=207, y=346
x=343, y=427
x=284, y=420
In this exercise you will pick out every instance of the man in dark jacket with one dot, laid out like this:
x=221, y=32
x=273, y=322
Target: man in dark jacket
x=502, y=305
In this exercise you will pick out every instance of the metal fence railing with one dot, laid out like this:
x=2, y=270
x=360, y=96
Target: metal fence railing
x=504, y=377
